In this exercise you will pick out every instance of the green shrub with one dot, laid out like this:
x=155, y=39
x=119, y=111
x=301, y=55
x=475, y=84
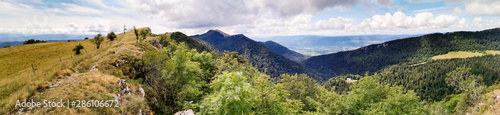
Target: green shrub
x=97, y=40
x=111, y=36
x=77, y=49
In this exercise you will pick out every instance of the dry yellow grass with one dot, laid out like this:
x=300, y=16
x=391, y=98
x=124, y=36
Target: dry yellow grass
x=92, y=85
x=464, y=54
x=493, y=52
x=19, y=82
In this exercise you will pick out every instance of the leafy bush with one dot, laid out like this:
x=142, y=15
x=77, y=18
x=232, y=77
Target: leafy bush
x=369, y=96
x=178, y=76
x=77, y=49
x=469, y=84
x=6, y=46
x=111, y=36
x=144, y=33
x=136, y=34
x=300, y=88
x=234, y=94
x=97, y=40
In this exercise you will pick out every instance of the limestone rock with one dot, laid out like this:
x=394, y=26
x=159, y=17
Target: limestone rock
x=123, y=86
x=142, y=92
x=185, y=112
x=93, y=68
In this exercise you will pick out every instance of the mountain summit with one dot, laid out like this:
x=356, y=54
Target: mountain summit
x=257, y=53
x=221, y=32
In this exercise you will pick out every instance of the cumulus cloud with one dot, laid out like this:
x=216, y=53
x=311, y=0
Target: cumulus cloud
x=256, y=17
x=79, y=17
x=334, y=23
x=401, y=21
x=217, y=13
x=294, y=7
x=480, y=7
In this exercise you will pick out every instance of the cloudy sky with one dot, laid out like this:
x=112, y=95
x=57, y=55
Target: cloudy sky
x=250, y=17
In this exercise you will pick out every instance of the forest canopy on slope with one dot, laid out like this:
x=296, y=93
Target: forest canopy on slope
x=374, y=58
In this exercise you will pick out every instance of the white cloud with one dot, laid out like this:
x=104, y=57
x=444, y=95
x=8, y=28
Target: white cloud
x=480, y=7
x=403, y=23
x=82, y=17
x=334, y=23
x=444, y=21
x=258, y=17
x=219, y=13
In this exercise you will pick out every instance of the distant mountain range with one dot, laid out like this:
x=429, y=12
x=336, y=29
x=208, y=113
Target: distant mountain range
x=256, y=52
x=8, y=39
x=313, y=45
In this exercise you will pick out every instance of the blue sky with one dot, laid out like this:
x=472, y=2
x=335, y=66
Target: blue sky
x=250, y=17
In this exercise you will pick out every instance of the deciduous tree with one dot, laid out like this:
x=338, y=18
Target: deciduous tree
x=98, y=40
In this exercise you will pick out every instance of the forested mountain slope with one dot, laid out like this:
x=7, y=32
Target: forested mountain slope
x=284, y=51
x=428, y=80
x=257, y=53
x=413, y=50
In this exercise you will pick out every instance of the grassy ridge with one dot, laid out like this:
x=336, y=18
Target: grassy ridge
x=17, y=79
x=19, y=82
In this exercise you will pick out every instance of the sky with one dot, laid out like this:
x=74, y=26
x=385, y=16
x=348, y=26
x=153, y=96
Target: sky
x=254, y=18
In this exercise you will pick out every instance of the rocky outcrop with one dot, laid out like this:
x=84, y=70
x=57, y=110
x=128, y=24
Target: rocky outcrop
x=94, y=68
x=123, y=86
x=185, y=112
x=143, y=93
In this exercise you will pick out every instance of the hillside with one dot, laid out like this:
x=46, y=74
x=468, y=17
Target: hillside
x=52, y=71
x=282, y=50
x=413, y=50
x=258, y=54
